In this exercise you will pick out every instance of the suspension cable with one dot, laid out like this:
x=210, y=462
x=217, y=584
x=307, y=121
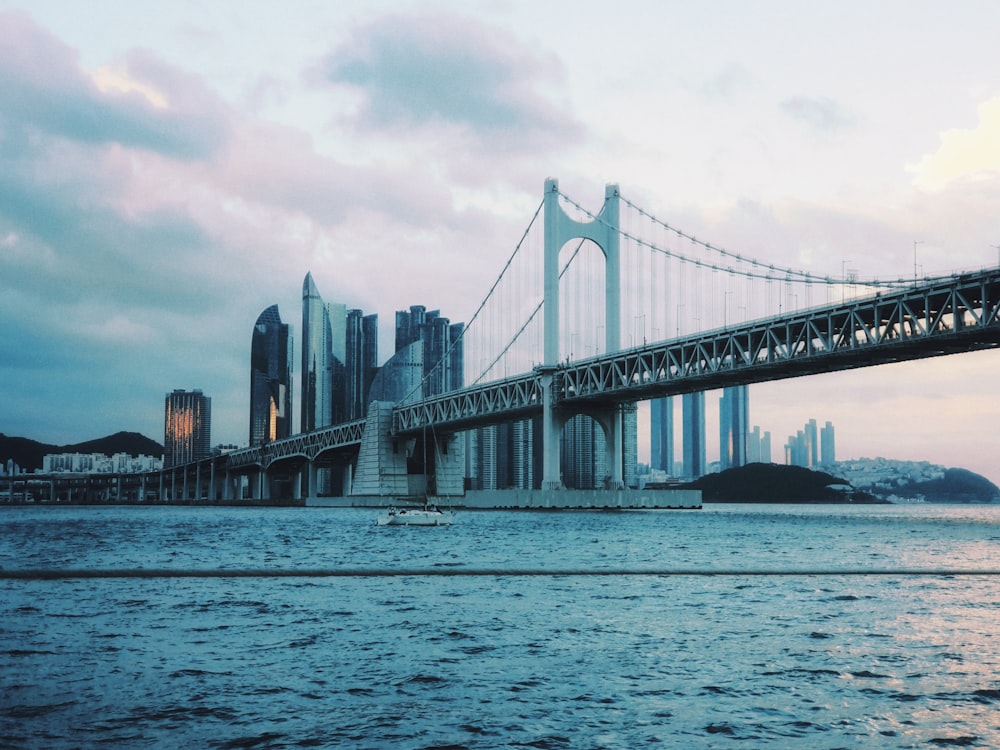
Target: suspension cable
x=769, y=271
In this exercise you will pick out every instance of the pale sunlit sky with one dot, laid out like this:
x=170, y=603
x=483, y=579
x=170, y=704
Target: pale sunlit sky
x=169, y=170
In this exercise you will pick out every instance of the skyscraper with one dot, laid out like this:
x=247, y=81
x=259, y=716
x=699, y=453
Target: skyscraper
x=693, y=438
x=187, y=427
x=812, y=443
x=361, y=362
x=661, y=429
x=810, y=446
x=317, y=367
x=270, y=379
x=758, y=446
x=441, y=343
x=828, y=453
x=734, y=418
x=337, y=315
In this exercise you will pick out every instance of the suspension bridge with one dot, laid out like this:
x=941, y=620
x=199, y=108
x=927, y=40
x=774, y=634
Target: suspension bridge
x=598, y=309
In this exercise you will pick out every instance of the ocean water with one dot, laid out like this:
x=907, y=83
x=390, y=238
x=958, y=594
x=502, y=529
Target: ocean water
x=729, y=627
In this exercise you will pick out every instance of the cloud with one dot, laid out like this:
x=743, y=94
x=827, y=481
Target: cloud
x=819, y=113
x=733, y=79
x=44, y=90
x=964, y=154
x=446, y=70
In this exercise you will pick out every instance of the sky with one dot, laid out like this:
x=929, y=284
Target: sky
x=169, y=170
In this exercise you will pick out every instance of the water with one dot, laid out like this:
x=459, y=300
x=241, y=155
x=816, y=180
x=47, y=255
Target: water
x=823, y=627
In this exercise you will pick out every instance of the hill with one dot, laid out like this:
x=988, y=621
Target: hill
x=956, y=486
x=28, y=454
x=916, y=480
x=771, y=483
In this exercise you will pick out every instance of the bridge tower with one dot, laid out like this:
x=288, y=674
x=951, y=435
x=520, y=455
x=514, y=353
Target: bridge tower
x=560, y=228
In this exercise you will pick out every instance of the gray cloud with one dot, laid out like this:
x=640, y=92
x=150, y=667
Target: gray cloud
x=819, y=113
x=43, y=89
x=444, y=69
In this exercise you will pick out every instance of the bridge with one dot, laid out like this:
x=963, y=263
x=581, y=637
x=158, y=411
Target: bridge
x=734, y=320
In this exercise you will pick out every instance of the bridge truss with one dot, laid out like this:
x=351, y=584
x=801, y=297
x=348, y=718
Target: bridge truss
x=941, y=316
x=305, y=445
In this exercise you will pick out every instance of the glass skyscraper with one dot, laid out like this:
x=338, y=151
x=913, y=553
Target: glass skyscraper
x=361, y=363
x=187, y=427
x=444, y=363
x=693, y=439
x=734, y=418
x=270, y=379
x=317, y=364
x=661, y=434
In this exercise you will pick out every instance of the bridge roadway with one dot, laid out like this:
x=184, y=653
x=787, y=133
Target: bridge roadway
x=947, y=315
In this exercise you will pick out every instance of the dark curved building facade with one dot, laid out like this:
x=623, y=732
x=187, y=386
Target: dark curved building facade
x=270, y=379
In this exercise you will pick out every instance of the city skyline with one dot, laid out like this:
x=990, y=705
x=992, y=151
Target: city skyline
x=164, y=182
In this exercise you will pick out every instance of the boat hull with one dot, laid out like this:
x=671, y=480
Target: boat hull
x=415, y=517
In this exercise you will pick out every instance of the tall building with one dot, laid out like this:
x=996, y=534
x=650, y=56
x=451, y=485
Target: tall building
x=758, y=446
x=734, y=418
x=828, y=453
x=337, y=315
x=582, y=454
x=810, y=447
x=187, y=427
x=317, y=365
x=661, y=434
x=505, y=456
x=270, y=379
x=693, y=436
x=441, y=341
x=812, y=443
x=361, y=362
x=630, y=444
x=339, y=360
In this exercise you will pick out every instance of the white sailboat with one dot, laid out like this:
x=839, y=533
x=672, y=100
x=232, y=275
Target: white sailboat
x=429, y=515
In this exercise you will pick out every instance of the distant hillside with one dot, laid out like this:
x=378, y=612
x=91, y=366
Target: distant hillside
x=771, y=483
x=956, y=486
x=28, y=453
x=916, y=480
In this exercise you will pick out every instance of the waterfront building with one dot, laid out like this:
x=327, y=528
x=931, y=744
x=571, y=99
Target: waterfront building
x=582, y=454
x=442, y=346
x=336, y=313
x=693, y=434
x=758, y=446
x=504, y=456
x=828, y=452
x=270, y=379
x=661, y=434
x=630, y=444
x=810, y=447
x=361, y=362
x=187, y=432
x=583, y=450
x=317, y=367
x=812, y=443
x=734, y=418
x=339, y=360
x=399, y=379
x=99, y=463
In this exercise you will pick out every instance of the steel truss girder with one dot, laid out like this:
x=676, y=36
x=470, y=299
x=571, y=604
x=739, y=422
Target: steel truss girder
x=949, y=315
x=306, y=445
x=505, y=400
